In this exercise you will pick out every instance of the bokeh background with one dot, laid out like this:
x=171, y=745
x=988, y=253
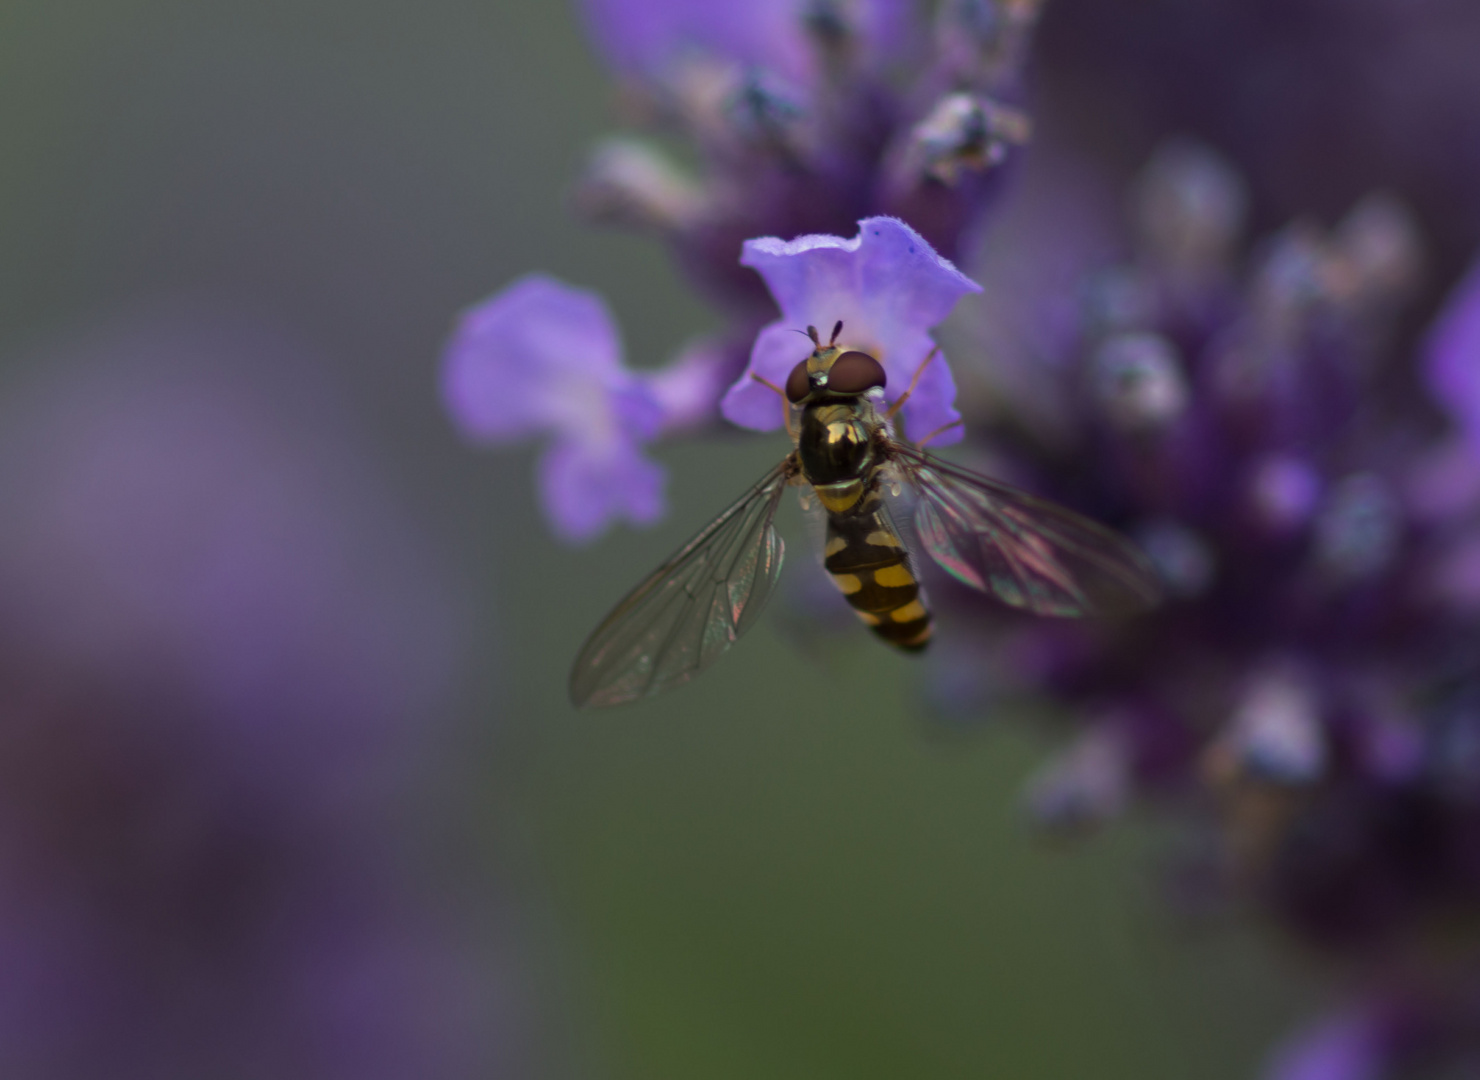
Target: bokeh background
x=233, y=237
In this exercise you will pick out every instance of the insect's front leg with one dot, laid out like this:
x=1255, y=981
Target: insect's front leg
x=786, y=409
x=914, y=382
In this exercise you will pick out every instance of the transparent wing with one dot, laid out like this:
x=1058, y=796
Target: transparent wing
x=1025, y=551
x=691, y=609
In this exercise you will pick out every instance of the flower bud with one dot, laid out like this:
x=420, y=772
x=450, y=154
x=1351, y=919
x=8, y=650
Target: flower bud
x=963, y=133
x=1359, y=529
x=1275, y=731
x=1138, y=381
x=1283, y=492
x=1084, y=785
x=1189, y=206
x=631, y=183
x=982, y=42
x=1376, y=253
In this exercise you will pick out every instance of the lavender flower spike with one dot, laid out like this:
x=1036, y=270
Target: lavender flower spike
x=544, y=357
x=889, y=288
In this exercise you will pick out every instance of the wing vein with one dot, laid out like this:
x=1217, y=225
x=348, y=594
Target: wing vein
x=685, y=614
x=1026, y=551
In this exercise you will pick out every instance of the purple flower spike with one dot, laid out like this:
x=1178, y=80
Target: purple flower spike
x=544, y=357
x=889, y=288
x=1453, y=364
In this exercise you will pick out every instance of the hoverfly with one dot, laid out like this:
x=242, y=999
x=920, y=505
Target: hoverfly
x=1027, y=552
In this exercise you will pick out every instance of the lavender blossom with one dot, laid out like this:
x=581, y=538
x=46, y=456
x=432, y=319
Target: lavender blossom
x=1250, y=413
x=221, y=652
x=541, y=356
x=887, y=287
x=805, y=118
x=1258, y=411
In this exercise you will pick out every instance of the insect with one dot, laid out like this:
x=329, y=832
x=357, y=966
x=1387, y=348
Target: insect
x=1027, y=552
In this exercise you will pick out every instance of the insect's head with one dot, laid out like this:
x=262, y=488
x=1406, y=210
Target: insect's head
x=833, y=369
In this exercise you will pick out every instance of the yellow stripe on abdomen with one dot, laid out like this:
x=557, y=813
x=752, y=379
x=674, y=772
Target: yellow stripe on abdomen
x=871, y=568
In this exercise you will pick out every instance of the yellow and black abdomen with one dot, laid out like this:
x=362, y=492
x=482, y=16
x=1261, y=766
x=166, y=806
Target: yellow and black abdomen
x=864, y=555
x=869, y=563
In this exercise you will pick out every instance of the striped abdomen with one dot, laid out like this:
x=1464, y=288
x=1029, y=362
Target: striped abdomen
x=869, y=563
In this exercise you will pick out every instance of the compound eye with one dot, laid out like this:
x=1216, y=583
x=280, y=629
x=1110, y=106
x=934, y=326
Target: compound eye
x=854, y=373
x=798, y=385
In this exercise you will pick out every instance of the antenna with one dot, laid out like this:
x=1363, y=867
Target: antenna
x=837, y=329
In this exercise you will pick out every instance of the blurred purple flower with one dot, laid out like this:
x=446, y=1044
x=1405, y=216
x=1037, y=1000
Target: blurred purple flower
x=222, y=657
x=1453, y=360
x=1256, y=420
x=1318, y=100
x=653, y=38
x=889, y=288
x=1343, y=1047
x=543, y=357
x=1416, y=1027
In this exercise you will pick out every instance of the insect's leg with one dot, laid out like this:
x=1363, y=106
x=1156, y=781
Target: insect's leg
x=785, y=404
x=938, y=431
x=914, y=382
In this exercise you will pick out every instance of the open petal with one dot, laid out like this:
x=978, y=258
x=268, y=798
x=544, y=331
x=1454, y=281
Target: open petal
x=886, y=285
x=752, y=405
x=887, y=271
x=585, y=486
x=687, y=391
x=518, y=361
x=541, y=357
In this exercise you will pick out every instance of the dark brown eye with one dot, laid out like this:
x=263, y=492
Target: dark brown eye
x=854, y=372
x=798, y=385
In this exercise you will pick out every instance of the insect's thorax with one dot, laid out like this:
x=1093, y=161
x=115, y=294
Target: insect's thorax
x=835, y=446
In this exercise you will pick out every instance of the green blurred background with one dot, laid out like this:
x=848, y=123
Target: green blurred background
x=781, y=871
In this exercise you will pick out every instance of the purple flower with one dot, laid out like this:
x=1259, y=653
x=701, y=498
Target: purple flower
x=651, y=38
x=887, y=286
x=1308, y=702
x=1416, y=1026
x=220, y=650
x=1343, y=1047
x=804, y=117
x=1453, y=360
x=1251, y=413
x=539, y=358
